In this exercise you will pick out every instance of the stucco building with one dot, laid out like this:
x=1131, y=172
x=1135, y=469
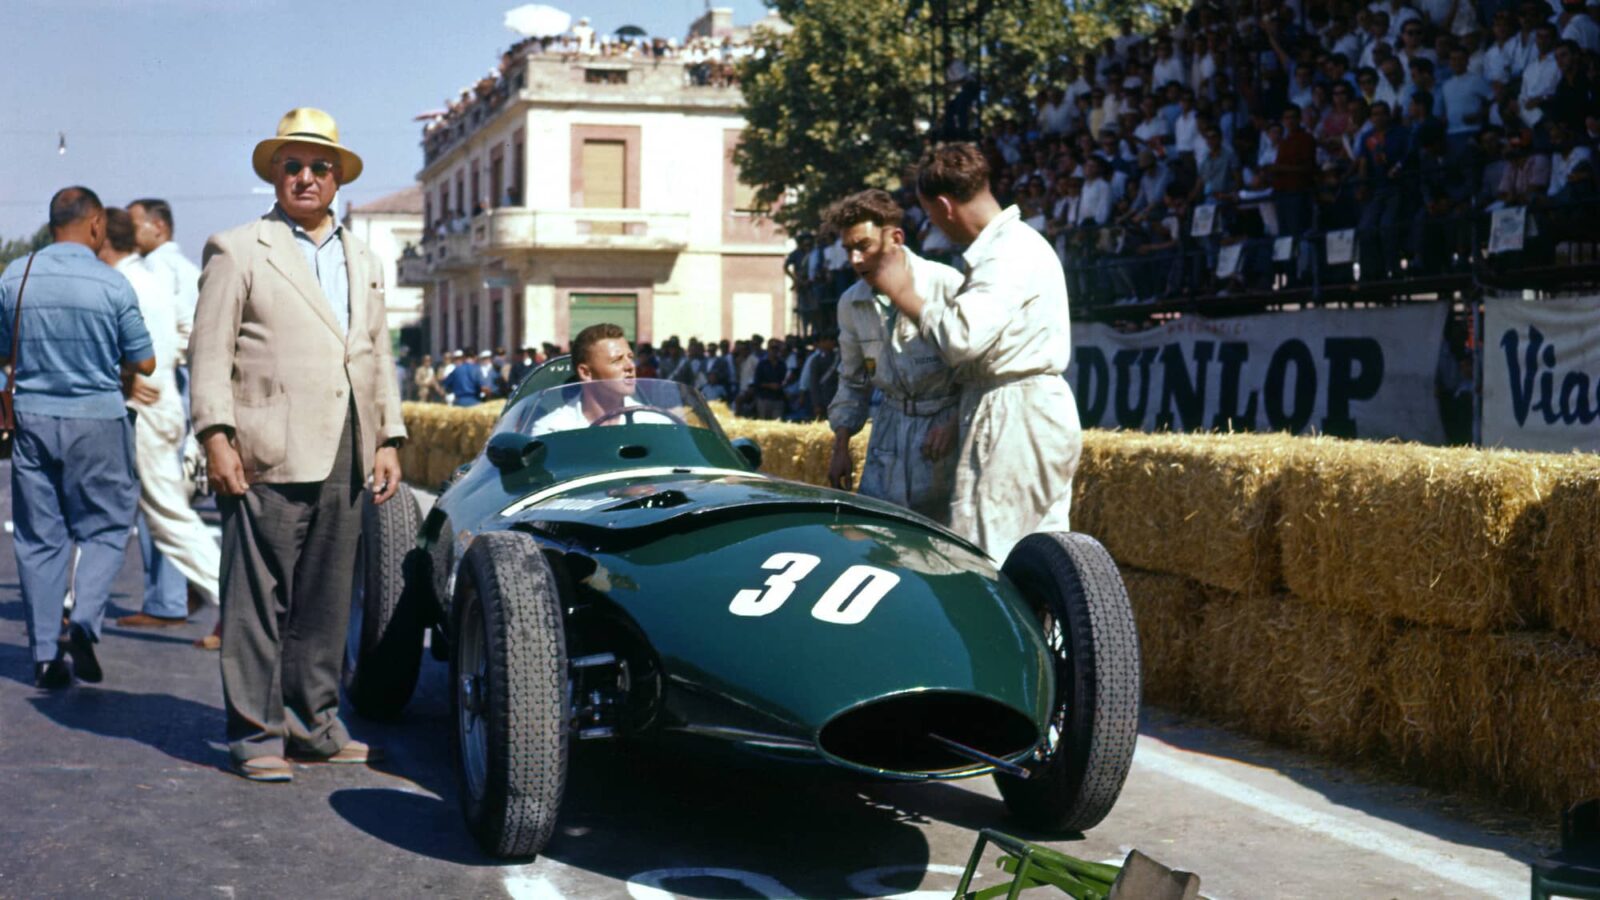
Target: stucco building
x=389, y=225
x=574, y=189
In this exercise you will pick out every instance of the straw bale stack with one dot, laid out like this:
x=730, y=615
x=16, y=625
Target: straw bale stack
x=441, y=437
x=1567, y=567
x=1511, y=716
x=799, y=451
x=1205, y=506
x=1437, y=536
x=1290, y=671
x=1167, y=611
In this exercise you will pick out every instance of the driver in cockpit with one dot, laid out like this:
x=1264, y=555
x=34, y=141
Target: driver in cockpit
x=603, y=362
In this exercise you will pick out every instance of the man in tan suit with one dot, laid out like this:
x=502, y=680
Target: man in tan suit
x=295, y=402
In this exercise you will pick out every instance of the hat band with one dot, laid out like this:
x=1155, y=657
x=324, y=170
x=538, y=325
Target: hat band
x=308, y=134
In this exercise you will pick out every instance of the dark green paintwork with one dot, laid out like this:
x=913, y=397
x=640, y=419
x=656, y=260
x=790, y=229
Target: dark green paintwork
x=668, y=550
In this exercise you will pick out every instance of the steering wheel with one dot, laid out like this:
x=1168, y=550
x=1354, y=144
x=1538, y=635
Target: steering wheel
x=627, y=413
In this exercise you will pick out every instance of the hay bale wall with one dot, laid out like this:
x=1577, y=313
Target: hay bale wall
x=1374, y=602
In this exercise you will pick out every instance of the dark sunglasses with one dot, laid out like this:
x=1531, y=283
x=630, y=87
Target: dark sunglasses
x=321, y=168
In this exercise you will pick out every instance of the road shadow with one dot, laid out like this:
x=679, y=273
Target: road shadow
x=1382, y=794
x=161, y=721
x=632, y=810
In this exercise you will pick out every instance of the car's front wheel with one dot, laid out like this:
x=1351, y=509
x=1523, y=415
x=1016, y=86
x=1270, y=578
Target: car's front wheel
x=1089, y=631
x=509, y=695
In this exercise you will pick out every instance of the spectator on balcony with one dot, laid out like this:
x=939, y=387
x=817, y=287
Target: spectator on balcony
x=1503, y=59
x=1465, y=97
x=1527, y=172
x=1567, y=155
x=1444, y=192
x=1575, y=24
x=1575, y=94
x=1540, y=77
x=1379, y=172
x=1292, y=174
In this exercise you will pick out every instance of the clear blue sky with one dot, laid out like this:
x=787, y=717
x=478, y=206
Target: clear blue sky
x=167, y=98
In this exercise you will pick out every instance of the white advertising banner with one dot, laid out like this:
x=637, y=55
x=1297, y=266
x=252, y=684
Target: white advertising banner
x=1353, y=373
x=1541, y=374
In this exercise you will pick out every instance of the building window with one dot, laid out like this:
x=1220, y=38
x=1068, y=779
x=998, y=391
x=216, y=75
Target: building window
x=497, y=178
x=605, y=76
x=477, y=193
x=461, y=190
x=598, y=308
x=516, y=172
x=605, y=181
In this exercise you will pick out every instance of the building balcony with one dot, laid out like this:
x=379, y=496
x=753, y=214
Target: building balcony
x=411, y=270
x=516, y=229
x=450, y=252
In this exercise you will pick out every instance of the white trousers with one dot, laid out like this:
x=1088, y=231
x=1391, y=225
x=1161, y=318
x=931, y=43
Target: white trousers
x=174, y=526
x=1020, y=444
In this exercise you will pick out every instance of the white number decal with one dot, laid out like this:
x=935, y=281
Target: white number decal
x=791, y=567
x=848, y=601
x=852, y=596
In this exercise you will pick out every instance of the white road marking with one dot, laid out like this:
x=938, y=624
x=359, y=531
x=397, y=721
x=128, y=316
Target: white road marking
x=647, y=885
x=1357, y=829
x=869, y=882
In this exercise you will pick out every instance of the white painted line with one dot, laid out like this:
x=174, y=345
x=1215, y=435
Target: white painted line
x=8, y=526
x=1346, y=826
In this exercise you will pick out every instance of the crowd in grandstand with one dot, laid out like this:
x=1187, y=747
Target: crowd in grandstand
x=1249, y=145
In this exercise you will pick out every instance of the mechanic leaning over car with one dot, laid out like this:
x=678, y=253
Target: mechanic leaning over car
x=910, y=456
x=1006, y=333
x=295, y=401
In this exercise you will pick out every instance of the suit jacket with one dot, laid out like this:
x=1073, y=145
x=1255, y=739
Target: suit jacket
x=268, y=361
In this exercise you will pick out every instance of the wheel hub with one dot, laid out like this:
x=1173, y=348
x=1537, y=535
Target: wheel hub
x=471, y=690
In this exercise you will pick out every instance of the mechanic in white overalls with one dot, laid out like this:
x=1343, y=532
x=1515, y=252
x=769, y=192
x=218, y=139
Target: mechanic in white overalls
x=1007, y=334
x=910, y=456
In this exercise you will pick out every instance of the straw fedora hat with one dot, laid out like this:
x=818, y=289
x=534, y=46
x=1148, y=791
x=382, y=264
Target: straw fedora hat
x=305, y=125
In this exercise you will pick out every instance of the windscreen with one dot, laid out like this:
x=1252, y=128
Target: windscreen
x=604, y=404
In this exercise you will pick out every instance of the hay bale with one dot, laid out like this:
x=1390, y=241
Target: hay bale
x=1437, y=536
x=1290, y=671
x=1509, y=716
x=1167, y=611
x=1566, y=568
x=798, y=451
x=1202, y=506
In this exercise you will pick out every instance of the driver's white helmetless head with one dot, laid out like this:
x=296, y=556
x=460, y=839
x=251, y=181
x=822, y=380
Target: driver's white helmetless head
x=600, y=354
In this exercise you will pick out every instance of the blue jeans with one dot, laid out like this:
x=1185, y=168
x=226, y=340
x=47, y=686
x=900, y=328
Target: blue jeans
x=72, y=483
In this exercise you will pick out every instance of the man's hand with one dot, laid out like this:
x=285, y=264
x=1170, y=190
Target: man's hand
x=385, y=474
x=892, y=278
x=841, y=468
x=142, y=391
x=940, y=440
x=224, y=468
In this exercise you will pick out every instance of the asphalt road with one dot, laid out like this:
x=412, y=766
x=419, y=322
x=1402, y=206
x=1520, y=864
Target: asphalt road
x=121, y=790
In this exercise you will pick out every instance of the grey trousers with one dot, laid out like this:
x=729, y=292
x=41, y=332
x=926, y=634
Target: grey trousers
x=72, y=484
x=288, y=560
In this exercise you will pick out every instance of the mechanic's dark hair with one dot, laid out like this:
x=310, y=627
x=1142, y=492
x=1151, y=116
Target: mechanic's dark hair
x=72, y=204
x=871, y=205
x=158, y=208
x=594, y=334
x=119, y=229
x=957, y=171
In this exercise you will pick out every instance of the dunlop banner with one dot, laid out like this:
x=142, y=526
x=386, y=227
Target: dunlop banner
x=1541, y=374
x=1354, y=373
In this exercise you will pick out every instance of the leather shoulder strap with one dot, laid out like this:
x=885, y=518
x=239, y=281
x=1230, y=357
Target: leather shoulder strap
x=16, y=327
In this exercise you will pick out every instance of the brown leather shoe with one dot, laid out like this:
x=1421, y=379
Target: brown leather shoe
x=209, y=642
x=264, y=768
x=145, y=620
x=352, y=753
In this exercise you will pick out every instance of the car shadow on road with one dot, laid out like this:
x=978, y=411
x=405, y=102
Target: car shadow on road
x=633, y=811
x=161, y=721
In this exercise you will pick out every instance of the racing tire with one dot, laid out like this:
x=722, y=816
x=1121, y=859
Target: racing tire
x=1089, y=632
x=383, y=648
x=508, y=676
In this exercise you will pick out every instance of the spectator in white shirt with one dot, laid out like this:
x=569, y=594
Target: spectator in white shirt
x=1502, y=61
x=1095, y=206
x=1153, y=129
x=1465, y=97
x=1578, y=27
x=1186, y=131
x=1399, y=15
x=1566, y=157
x=1300, y=88
x=1339, y=39
x=1169, y=66
x=1540, y=78
x=1392, y=86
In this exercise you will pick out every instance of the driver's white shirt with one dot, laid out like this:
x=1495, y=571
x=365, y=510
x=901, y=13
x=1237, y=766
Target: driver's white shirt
x=570, y=416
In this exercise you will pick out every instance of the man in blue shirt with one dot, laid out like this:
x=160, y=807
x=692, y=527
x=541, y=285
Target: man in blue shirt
x=464, y=385
x=72, y=476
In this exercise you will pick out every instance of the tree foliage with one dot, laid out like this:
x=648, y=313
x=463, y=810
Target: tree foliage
x=847, y=99
x=15, y=247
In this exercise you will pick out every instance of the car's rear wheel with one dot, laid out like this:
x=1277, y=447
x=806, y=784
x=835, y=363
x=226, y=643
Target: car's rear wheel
x=1089, y=631
x=509, y=695
x=383, y=647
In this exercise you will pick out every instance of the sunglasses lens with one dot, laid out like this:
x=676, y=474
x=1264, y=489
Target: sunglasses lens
x=292, y=167
x=320, y=168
